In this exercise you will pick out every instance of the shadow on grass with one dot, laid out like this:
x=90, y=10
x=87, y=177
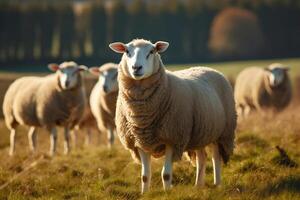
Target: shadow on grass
x=122, y=193
x=289, y=184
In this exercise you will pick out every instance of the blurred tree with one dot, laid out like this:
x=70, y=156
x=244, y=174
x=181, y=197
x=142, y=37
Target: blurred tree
x=173, y=20
x=98, y=29
x=280, y=25
x=153, y=23
x=28, y=31
x=65, y=21
x=31, y=28
x=119, y=19
x=46, y=23
x=137, y=21
x=4, y=43
x=199, y=18
x=82, y=19
x=235, y=33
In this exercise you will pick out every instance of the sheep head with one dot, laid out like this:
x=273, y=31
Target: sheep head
x=107, y=74
x=277, y=74
x=140, y=57
x=68, y=74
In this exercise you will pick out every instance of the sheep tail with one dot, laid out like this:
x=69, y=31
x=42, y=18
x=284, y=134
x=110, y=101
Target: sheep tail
x=224, y=154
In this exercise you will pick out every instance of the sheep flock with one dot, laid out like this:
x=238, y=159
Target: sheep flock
x=154, y=112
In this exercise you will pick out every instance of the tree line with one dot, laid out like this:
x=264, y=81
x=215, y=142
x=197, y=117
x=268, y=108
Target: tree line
x=36, y=33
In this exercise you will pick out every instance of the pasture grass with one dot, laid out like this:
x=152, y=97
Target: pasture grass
x=232, y=68
x=95, y=172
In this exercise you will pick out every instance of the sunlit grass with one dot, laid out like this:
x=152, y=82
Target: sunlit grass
x=232, y=68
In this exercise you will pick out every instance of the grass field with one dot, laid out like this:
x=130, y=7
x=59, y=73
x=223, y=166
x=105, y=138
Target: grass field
x=256, y=171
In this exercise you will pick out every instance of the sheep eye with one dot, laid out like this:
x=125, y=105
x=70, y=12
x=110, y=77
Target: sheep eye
x=151, y=52
x=115, y=76
x=127, y=52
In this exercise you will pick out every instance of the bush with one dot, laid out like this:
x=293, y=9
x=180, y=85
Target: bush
x=235, y=32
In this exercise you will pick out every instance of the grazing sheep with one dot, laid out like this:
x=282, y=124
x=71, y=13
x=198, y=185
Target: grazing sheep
x=167, y=113
x=54, y=100
x=260, y=89
x=104, y=97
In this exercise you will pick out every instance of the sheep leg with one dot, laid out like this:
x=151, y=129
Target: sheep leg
x=73, y=134
x=53, y=139
x=88, y=137
x=110, y=137
x=166, y=173
x=201, y=165
x=146, y=170
x=12, y=141
x=216, y=160
x=240, y=112
x=247, y=111
x=32, y=138
x=66, y=141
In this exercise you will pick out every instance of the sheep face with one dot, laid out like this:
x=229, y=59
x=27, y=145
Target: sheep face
x=68, y=74
x=140, y=57
x=107, y=78
x=277, y=74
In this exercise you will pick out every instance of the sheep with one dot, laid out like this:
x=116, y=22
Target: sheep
x=262, y=89
x=104, y=97
x=167, y=113
x=54, y=100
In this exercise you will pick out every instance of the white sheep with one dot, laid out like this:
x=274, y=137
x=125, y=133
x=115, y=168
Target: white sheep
x=262, y=88
x=54, y=100
x=103, y=98
x=167, y=113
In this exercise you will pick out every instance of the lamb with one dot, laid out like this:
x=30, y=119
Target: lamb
x=104, y=97
x=54, y=100
x=167, y=113
x=263, y=89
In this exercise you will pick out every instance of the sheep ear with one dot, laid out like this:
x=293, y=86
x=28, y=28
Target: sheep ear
x=53, y=67
x=161, y=46
x=267, y=69
x=82, y=68
x=94, y=71
x=118, y=47
x=286, y=68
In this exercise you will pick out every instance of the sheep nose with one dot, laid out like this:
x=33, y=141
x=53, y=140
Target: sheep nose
x=137, y=68
x=67, y=83
x=105, y=88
